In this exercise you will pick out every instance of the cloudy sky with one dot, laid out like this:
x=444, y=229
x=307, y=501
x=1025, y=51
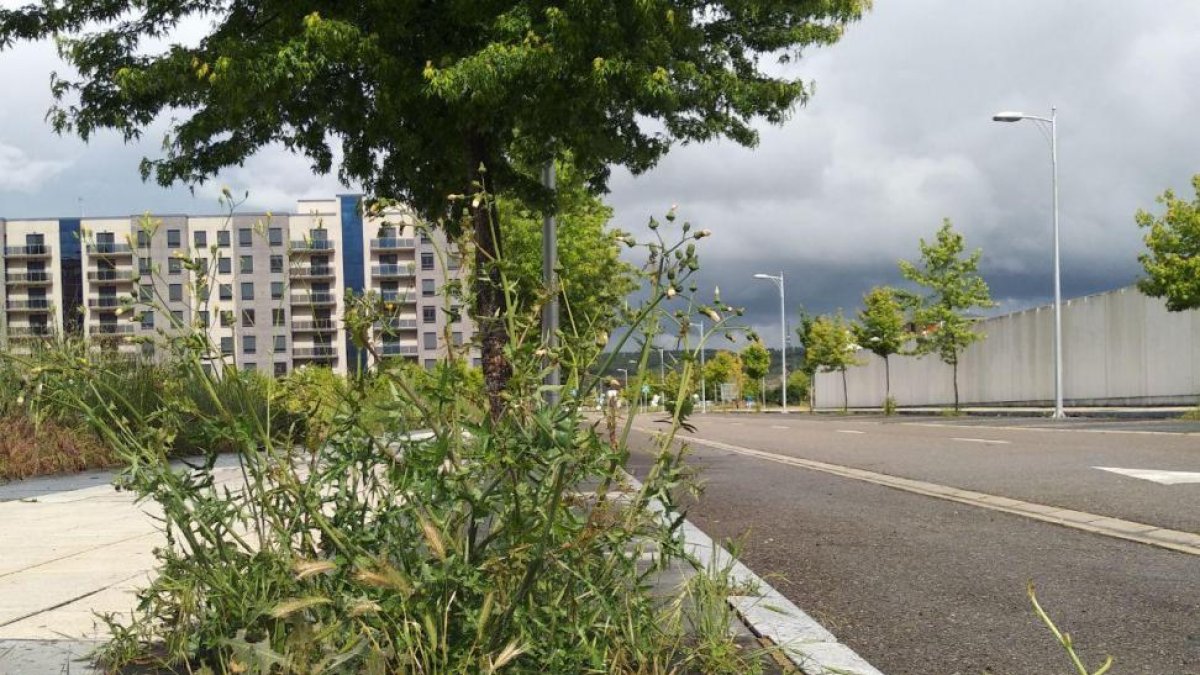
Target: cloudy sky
x=898, y=136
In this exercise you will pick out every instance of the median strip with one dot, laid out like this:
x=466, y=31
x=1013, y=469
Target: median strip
x=1175, y=540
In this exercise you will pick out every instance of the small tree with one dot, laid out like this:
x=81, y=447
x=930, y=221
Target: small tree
x=804, y=333
x=1172, y=262
x=756, y=362
x=880, y=328
x=954, y=288
x=831, y=348
x=724, y=368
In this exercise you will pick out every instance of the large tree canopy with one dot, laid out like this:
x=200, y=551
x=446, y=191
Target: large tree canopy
x=1172, y=257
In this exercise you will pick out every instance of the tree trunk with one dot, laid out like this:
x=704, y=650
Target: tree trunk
x=887, y=378
x=955, y=365
x=490, y=305
x=845, y=395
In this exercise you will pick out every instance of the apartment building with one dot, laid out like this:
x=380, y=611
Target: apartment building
x=269, y=289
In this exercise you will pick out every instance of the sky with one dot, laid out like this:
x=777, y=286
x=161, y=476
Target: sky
x=897, y=136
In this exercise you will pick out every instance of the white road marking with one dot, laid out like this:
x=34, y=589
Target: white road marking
x=1157, y=475
x=989, y=441
x=779, y=426
x=950, y=425
x=850, y=431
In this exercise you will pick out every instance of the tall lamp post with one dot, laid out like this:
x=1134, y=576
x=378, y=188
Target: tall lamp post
x=703, y=393
x=624, y=372
x=1052, y=122
x=778, y=281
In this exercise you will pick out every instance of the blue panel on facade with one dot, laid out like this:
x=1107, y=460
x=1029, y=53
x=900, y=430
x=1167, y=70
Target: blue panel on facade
x=353, y=267
x=71, y=247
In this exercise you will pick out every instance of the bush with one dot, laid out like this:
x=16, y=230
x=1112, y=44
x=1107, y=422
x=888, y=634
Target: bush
x=28, y=449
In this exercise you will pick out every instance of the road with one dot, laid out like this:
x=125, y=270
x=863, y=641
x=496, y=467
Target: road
x=925, y=585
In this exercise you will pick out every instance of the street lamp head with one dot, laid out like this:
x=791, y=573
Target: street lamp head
x=1008, y=116
x=763, y=276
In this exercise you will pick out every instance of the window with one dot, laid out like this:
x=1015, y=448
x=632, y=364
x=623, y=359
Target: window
x=147, y=320
x=247, y=290
x=174, y=266
x=105, y=238
x=430, y=340
x=225, y=265
x=318, y=234
x=280, y=343
x=275, y=236
x=280, y=368
x=455, y=313
x=147, y=350
x=144, y=266
x=246, y=264
x=427, y=261
x=175, y=292
x=177, y=317
x=199, y=239
x=278, y=316
x=276, y=264
x=453, y=261
x=202, y=317
x=425, y=238
x=249, y=344
x=201, y=265
x=143, y=239
x=245, y=237
x=248, y=318
x=223, y=238
x=457, y=338
x=429, y=314
x=428, y=287
x=226, y=319
x=173, y=239
x=225, y=291
x=249, y=367
x=145, y=293
x=430, y=364
x=276, y=290
x=226, y=346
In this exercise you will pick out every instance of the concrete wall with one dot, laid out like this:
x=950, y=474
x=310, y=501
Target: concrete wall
x=1119, y=348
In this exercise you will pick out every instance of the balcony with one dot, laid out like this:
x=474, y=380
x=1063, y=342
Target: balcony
x=393, y=244
x=35, y=278
x=110, y=329
x=398, y=350
x=403, y=297
x=30, y=331
x=29, y=251
x=393, y=271
x=109, y=248
x=313, y=272
x=318, y=352
x=314, y=326
x=397, y=324
x=107, y=301
x=307, y=245
x=30, y=305
x=110, y=275
x=314, y=299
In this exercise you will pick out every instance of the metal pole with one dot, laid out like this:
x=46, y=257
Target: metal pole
x=703, y=392
x=662, y=368
x=1059, y=413
x=550, y=282
x=783, y=344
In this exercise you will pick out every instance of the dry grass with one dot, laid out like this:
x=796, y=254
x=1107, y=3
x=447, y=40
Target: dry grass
x=28, y=450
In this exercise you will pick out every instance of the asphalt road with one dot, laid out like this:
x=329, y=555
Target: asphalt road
x=926, y=586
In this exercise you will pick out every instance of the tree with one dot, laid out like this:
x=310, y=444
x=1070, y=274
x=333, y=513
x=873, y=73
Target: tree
x=831, y=348
x=1172, y=263
x=592, y=277
x=723, y=368
x=807, y=366
x=425, y=100
x=954, y=288
x=880, y=328
x=756, y=362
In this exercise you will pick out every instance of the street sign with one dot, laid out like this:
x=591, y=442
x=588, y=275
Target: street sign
x=645, y=389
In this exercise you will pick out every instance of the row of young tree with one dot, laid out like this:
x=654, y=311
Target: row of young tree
x=938, y=319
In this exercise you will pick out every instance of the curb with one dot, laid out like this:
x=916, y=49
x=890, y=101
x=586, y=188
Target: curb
x=807, y=644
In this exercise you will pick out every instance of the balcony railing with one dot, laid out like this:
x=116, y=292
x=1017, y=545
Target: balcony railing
x=105, y=301
x=110, y=275
x=314, y=299
x=393, y=243
x=110, y=329
x=319, y=352
x=28, y=251
x=398, y=350
x=31, y=304
x=397, y=324
x=405, y=297
x=393, y=271
x=312, y=272
x=30, y=331
x=314, y=326
x=311, y=245
x=109, y=248
x=36, y=277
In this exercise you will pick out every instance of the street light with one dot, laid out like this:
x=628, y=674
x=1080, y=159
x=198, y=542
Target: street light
x=1052, y=122
x=778, y=281
x=626, y=373
x=703, y=393
x=662, y=372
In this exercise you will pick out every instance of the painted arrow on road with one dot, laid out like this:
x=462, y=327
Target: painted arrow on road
x=1156, y=475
